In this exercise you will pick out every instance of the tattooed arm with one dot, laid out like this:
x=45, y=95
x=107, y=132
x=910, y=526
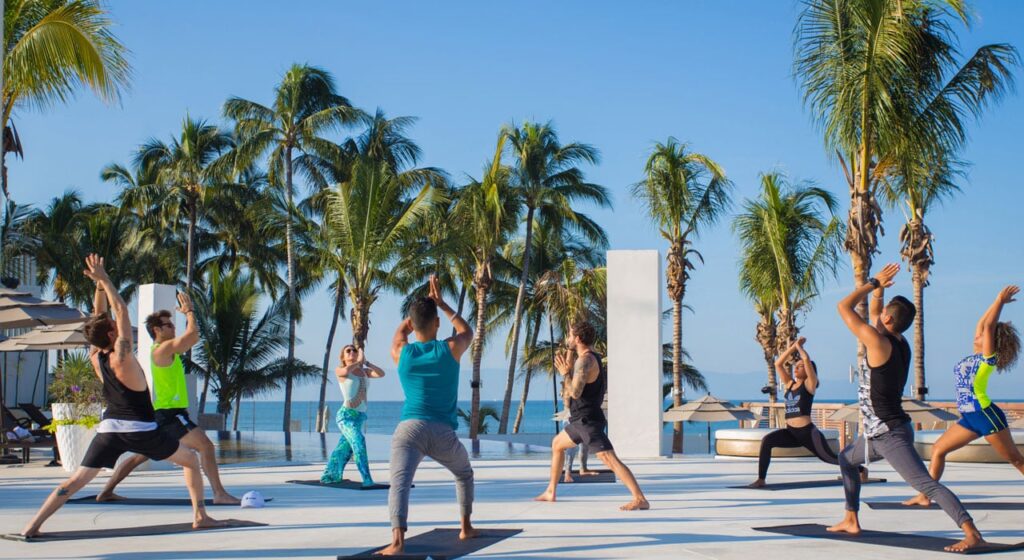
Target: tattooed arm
x=582, y=371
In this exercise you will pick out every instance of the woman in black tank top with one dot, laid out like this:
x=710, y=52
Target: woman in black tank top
x=799, y=431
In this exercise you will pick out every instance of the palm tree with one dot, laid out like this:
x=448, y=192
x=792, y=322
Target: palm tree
x=306, y=107
x=879, y=75
x=789, y=247
x=182, y=173
x=50, y=49
x=56, y=231
x=547, y=175
x=368, y=217
x=481, y=426
x=486, y=213
x=239, y=347
x=683, y=192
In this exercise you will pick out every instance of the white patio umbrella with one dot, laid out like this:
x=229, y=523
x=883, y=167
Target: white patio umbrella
x=707, y=409
x=918, y=411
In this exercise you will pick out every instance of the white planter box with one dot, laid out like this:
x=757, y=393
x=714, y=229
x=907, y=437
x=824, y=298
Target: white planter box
x=73, y=441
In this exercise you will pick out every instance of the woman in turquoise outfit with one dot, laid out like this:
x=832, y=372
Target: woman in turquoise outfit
x=996, y=346
x=352, y=378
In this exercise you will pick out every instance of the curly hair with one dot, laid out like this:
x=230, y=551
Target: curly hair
x=1007, y=342
x=584, y=331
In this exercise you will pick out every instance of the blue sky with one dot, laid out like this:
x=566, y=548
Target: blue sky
x=619, y=76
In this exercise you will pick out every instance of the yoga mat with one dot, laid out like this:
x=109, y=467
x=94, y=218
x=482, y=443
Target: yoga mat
x=898, y=540
x=149, y=501
x=598, y=471
x=580, y=479
x=441, y=544
x=992, y=506
x=344, y=484
x=146, y=531
x=809, y=484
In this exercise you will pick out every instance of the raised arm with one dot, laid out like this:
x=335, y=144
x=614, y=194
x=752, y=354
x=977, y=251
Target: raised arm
x=189, y=338
x=401, y=338
x=463, y=332
x=875, y=305
x=94, y=270
x=987, y=325
x=99, y=301
x=812, y=374
x=877, y=346
x=780, y=365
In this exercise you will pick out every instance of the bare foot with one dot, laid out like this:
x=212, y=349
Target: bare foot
x=30, y=532
x=919, y=500
x=864, y=476
x=108, y=497
x=391, y=550
x=568, y=478
x=588, y=473
x=226, y=499
x=759, y=483
x=547, y=496
x=637, y=504
x=848, y=526
x=468, y=533
x=970, y=541
x=208, y=523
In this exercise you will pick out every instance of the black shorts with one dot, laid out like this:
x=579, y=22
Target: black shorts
x=589, y=433
x=174, y=422
x=107, y=447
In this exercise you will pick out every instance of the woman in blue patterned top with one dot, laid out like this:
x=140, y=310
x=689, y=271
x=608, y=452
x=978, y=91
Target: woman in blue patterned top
x=996, y=346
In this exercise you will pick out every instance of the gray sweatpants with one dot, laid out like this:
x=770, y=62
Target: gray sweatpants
x=413, y=440
x=897, y=447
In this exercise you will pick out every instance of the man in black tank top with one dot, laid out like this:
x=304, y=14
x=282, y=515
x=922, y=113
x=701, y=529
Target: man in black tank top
x=128, y=422
x=888, y=433
x=587, y=383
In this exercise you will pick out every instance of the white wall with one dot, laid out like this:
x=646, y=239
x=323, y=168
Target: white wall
x=634, y=354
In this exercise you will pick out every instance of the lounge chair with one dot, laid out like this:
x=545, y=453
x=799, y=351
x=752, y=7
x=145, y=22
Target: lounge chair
x=44, y=440
x=39, y=417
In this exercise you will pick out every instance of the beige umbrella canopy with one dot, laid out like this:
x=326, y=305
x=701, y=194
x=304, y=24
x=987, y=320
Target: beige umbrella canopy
x=918, y=411
x=19, y=310
x=707, y=409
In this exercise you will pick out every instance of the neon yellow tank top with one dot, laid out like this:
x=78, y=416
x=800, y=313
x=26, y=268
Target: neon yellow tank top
x=169, y=388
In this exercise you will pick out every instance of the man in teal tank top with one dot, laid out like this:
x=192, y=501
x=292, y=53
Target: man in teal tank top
x=170, y=400
x=429, y=371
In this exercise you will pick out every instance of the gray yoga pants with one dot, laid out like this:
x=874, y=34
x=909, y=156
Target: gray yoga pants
x=897, y=447
x=412, y=441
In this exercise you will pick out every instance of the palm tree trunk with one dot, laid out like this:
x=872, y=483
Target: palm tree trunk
x=677, y=371
x=190, y=249
x=482, y=285
x=523, y=276
x=286, y=421
x=238, y=412
x=206, y=390
x=532, y=336
x=360, y=320
x=321, y=425
x=920, y=389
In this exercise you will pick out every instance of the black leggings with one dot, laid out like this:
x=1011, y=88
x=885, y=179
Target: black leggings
x=809, y=436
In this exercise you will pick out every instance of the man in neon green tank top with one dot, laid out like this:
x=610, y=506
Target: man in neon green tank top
x=170, y=400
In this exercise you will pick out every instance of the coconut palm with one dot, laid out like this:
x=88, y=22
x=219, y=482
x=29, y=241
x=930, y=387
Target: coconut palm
x=240, y=348
x=51, y=48
x=879, y=75
x=790, y=241
x=306, y=107
x=182, y=173
x=549, y=179
x=481, y=426
x=683, y=192
x=487, y=213
x=15, y=238
x=56, y=231
x=368, y=217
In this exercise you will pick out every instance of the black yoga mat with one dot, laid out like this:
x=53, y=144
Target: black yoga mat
x=146, y=531
x=148, y=501
x=578, y=478
x=344, y=484
x=898, y=540
x=441, y=544
x=809, y=484
x=992, y=506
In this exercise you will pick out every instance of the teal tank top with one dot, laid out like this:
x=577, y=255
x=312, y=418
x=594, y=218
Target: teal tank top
x=430, y=379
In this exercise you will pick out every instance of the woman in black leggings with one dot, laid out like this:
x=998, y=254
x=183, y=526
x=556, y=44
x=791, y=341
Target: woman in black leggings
x=799, y=430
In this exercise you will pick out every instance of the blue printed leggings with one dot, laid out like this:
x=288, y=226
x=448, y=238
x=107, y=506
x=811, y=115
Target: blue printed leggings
x=352, y=444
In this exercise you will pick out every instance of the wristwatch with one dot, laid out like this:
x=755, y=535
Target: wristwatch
x=874, y=282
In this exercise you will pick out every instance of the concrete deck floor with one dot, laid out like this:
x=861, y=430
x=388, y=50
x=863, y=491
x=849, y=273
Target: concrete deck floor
x=693, y=514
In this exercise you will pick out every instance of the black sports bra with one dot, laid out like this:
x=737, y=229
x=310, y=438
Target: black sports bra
x=798, y=403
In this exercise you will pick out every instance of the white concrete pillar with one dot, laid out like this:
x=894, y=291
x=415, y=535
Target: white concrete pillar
x=634, y=354
x=152, y=298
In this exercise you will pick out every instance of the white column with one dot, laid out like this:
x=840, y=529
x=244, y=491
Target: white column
x=634, y=354
x=152, y=298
